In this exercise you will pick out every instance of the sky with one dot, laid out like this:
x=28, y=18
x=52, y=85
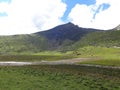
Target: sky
x=29, y=16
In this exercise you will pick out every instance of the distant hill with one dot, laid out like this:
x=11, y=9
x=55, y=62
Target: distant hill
x=108, y=38
x=61, y=38
x=54, y=39
x=65, y=34
x=22, y=44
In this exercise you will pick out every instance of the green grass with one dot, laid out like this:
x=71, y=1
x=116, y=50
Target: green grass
x=103, y=62
x=60, y=77
x=34, y=57
x=103, y=55
x=22, y=44
x=106, y=38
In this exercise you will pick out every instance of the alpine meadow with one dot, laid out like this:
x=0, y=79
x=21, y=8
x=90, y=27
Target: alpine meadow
x=66, y=57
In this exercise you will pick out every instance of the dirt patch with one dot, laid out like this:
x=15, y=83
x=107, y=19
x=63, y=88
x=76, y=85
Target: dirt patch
x=14, y=63
x=67, y=62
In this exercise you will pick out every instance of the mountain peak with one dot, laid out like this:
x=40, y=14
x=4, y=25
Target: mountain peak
x=68, y=26
x=69, y=23
x=63, y=32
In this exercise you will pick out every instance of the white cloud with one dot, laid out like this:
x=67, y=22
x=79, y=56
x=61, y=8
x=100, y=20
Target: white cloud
x=82, y=15
x=24, y=14
x=3, y=6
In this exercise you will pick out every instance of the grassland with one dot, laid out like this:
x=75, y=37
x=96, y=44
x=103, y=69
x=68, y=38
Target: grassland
x=60, y=77
x=102, y=46
x=103, y=55
x=100, y=55
x=34, y=57
x=63, y=77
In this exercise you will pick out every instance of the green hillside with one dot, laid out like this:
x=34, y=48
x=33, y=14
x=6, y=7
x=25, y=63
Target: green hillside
x=58, y=38
x=109, y=38
x=22, y=44
x=105, y=46
x=66, y=37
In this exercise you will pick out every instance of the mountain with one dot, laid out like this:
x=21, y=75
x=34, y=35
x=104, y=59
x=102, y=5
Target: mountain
x=60, y=38
x=56, y=38
x=66, y=31
x=65, y=34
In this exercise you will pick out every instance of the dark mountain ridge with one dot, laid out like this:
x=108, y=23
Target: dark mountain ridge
x=63, y=37
x=66, y=31
x=57, y=35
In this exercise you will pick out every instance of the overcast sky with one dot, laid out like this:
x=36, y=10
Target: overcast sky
x=28, y=16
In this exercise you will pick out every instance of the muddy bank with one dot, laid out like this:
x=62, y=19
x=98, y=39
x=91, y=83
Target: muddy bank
x=69, y=61
x=74, y=61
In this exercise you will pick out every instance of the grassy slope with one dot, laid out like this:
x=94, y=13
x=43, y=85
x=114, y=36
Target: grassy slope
x=106, y=38
x=60, y=77
x=104, y=56
x=102, y=45
x=22, y=44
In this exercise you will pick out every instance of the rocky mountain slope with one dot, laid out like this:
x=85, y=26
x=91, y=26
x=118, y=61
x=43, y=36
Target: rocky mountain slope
x=63, y=37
